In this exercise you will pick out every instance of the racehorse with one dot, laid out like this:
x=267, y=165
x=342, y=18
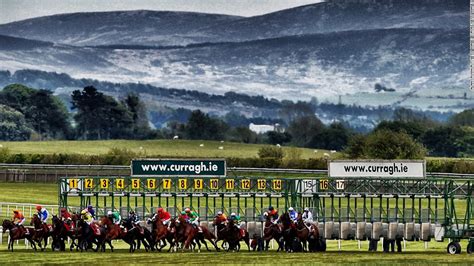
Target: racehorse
x=59, y=234
x=160, y=233
x=17, y=232
x=272, y=231
x=288, y=230
x=42, y=231
x=141, y=234
x=113, y=231
x=186, y=233
x=231, y=235
x=88, y=235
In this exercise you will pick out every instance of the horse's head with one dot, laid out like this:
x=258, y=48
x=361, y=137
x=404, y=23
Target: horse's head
x=35, y=220
x=7, y=224
x=55, y=220
x=105, y=220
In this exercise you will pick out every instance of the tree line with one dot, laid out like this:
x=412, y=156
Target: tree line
x=27, y=113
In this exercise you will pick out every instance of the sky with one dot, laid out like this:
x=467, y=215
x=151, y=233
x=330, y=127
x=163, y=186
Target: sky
x=14, y=10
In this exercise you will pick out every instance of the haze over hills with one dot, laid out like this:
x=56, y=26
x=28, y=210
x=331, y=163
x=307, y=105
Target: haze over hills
x=418, y=49
x=164, y=28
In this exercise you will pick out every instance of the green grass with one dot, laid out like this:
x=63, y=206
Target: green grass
x=162, y=148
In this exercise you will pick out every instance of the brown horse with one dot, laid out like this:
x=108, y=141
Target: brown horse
x=112, y=232
x=272, y=231
x=42, y=231
x=161, y=233
x=231, y=235
x=187, y=233
x=18, y=232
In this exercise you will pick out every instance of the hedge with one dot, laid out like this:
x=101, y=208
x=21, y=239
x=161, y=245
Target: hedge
x=433, y=165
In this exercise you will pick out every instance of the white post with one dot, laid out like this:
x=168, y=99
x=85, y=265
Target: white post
x=1, y=235
x=426, y=244
x=272, y=243
x=358, y=244
x=339, y=244
x=404, y=245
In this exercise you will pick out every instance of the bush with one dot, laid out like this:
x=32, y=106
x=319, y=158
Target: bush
x=271, y=152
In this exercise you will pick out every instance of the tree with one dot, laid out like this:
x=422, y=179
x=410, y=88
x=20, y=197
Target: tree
x=303, y=130
x=141, y=128
x=243, y=134
x=99, y=116
x=385, y=144
x=13, y=126
x=464, y=118
x=414, y=129
x=356, y=147
x=275, y=137
x=201, y=126
x=45, y=113
x=334, y=137
x=444, y=141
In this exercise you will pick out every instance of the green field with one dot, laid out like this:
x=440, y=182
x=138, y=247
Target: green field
x=161, y=148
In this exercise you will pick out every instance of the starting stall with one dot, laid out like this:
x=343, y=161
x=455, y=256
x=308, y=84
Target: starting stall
x=357, y=200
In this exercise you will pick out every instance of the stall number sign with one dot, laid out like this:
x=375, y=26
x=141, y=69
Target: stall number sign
x=135, y=183
x=182, y=184
x=261, y=184
x=120, y=183
x=151, y=183
x=214, y=184
x=229, y=184
x=198, y=184
x=104, y=183
x=88, y=183
x=277, y=184
x=245, y=184
x=166, y=184
x=73, y=183
x=340, y=184
x=308, y=186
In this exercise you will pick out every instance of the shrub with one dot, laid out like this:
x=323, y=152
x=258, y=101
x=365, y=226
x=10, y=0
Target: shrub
x=271, y=152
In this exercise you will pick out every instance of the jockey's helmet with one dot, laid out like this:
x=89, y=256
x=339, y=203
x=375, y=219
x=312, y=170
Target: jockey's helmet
x=63, y=209
x=291, y=209
x=89, y=207
x=270, y=208
x=233, y=214
x=219, y=213
x=187, y=210
x=16, y=211
x=38, y=207
x=183, y=213
x=306, y=209
x=109, y=213
x=83, y=212
x=159, y=209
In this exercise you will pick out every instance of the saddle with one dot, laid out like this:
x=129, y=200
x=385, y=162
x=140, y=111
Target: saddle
x=95, y=228
x=242, y=232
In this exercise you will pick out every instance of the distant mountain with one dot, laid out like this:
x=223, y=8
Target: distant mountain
x=121, y=27
x=153, y=28
x=348, y=15
x=13, y=43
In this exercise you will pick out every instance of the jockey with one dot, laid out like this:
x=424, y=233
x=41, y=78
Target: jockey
x=272, y=214
x=65, y=215
x=236, y=218
x=115, y=217
x=19, y=219
x=293, y=214
x=43, y=214
x=193, y=219
x=87, y=217
x=220, y=217
x=307, y=218
x=91, y=211
x=185, y=216
x=134, y=218
x=163, y=215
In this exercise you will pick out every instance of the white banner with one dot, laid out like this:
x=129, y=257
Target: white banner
x=415, y=169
